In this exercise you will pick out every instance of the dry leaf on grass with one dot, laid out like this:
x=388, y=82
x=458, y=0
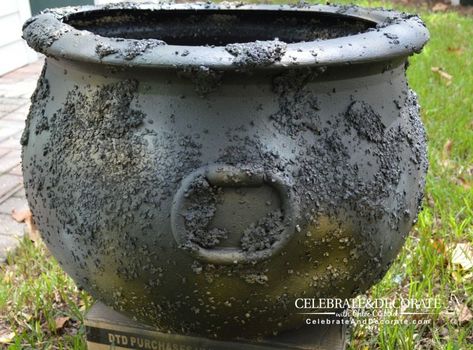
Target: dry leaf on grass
x=6, y=337
x=61, y=323
x=438, y=245
x=20, y=215
x=430, y=200
x=464, y=314
x=446, y=152
x=447, y=148
x=455, y=50
x=443, y=74
x=462, y=255
x=461, y=181
x=440, y=7
x=26, y=217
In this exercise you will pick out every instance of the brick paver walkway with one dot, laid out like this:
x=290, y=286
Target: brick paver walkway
x=15, y=91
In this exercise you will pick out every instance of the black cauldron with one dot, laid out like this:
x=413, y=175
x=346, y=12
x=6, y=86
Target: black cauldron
x=199, y=167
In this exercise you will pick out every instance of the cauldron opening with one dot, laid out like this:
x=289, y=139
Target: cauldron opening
x=217, y=27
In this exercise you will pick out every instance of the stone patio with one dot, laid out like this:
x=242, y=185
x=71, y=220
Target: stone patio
x=15, y=90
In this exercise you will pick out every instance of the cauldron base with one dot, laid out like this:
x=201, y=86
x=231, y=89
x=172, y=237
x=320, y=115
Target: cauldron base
x=107, y=329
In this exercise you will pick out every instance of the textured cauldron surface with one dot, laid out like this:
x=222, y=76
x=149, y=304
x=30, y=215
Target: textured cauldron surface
x=116, y=161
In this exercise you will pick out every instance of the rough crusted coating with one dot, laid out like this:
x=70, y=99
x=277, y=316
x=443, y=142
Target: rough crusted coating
x=366, y=122
x=199, y=214
x=264, y=233
x=205, y=79
x=38, y=103
x=138, y=47
x=43, y=31
x=258, y=53
x=104, y=155
x=103, y=172
x=297, y=107
x=103, y=50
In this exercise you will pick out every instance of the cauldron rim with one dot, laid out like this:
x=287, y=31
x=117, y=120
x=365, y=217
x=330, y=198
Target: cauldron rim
x=397, y=35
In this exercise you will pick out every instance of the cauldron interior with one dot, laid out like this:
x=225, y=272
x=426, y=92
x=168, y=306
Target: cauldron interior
x=217, y=27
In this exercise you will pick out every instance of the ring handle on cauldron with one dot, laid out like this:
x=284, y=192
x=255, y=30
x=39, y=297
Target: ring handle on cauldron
x=230, y=176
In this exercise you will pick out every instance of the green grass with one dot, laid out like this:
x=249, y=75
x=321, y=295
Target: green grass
x=34, y=291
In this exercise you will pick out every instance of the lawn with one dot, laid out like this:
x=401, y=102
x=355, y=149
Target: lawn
x=42, y=308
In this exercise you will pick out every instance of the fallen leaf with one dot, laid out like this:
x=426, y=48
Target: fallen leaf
x=61, y=322
x=6, y=337
x=464, y=314
x=455, y=50
x=430, y=201
x=438, y=245
x=20, y=215
x=447, y=148
x=446, y=152
x=33, y=232
x=443, y=74
x=462, y=254
x=439, y=7
x=27, y=217
x=462, y=182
